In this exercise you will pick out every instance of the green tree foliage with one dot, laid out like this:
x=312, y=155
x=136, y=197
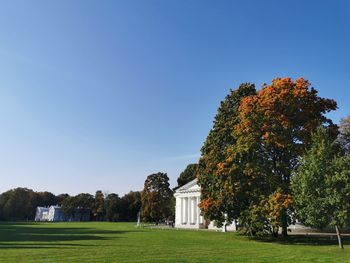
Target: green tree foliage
x=68, y=206
x=344, y=134
x=321, y=185
x=61, y=197
x=113, y=207
x=98, y=210
x=131, y=206
x=45, y=198
x=20, y=203
x=156, y=198
x=78, y=205
x=187, y=175
x=216, y=187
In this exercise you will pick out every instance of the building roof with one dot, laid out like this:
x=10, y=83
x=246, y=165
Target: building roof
x=189, y=187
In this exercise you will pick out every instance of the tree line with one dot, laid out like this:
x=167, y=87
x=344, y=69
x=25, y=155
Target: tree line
x=155, y=203
x=20, y=204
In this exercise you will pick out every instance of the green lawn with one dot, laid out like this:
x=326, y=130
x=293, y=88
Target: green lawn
x=122, y=242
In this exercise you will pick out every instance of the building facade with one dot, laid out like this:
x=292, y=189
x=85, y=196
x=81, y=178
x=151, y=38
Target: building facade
x=54, y=214
x=187, y=212
x=41, y=213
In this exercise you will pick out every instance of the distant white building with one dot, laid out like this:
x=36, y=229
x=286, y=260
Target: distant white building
x=55, y=213
x=187, y=212
x=42, y=214
x=52, y=213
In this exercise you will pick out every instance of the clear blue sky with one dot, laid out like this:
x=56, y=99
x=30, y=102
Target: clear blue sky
x=99, y=94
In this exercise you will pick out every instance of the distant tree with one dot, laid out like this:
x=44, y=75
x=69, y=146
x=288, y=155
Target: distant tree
x=344, y=134
x=18, y=204
x=98, y=210
x=45, y=198
x=82, y=202
x=187, y=175
x=69, y=205
x=113, y=207
x=321, y=185
x=131, y=206
x=156, y=198
x=60, y=198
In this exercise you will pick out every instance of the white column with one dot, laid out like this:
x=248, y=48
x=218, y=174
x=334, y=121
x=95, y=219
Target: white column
x=189, y=210
x=194, y=210
x=184, y=210
x=200, y=216
x=181, y=210
x=198, y=211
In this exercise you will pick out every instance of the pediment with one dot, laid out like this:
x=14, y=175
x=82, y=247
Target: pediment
x=189, y=187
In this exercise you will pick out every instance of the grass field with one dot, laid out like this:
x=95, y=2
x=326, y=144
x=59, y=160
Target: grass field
x=122, y=242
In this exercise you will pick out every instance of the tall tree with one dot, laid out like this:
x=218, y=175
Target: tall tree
x=275, y=128
x=217, y=186
x=98, y=210
x=321, y=185
x=249, y=155
x=156, y=198
x=187, y=175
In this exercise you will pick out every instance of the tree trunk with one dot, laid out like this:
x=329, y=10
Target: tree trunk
x=340, y=241
x=284, y=231
x=284, y=223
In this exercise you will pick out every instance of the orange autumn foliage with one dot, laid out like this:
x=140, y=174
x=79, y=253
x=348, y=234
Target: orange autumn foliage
x=275, y=112
x=278, y=202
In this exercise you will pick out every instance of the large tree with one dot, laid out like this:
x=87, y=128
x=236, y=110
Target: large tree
x=187, y=175
x=156, y=198
x=254, y=145
x=275, y=128
x=217, y=197
x=321, y=185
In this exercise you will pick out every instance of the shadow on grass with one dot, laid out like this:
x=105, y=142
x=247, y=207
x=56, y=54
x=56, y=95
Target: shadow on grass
x=16, y=235
x=41, y=246
x=309, y=240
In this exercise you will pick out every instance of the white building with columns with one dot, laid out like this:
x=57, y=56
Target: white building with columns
x=187, y=212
